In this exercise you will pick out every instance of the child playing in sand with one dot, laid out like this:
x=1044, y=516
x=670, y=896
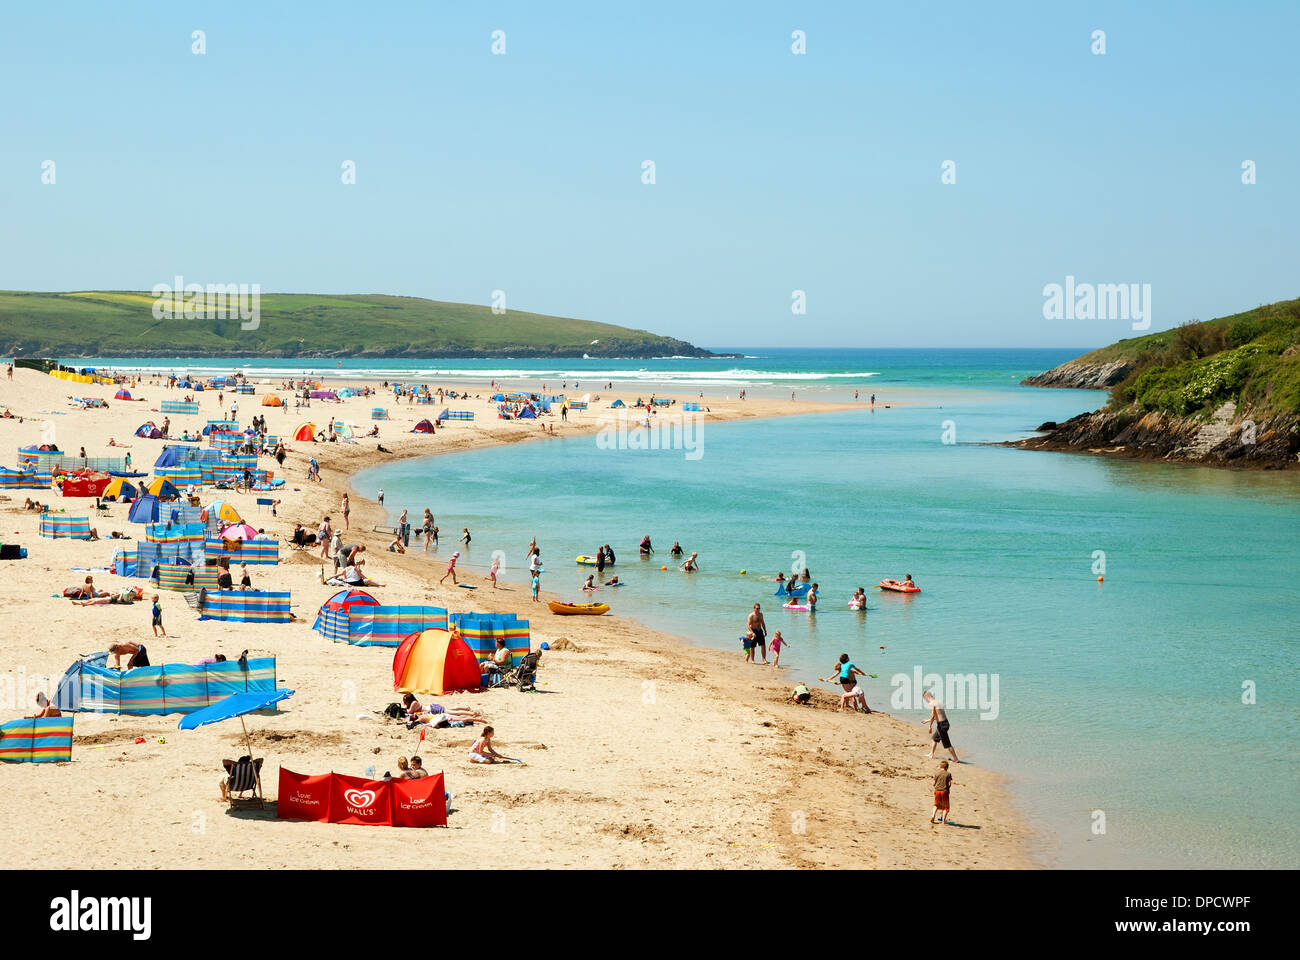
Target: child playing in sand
x=801, y=693
x=482, y=751
x=942, y=784
x=775, y=645
x=157, y=618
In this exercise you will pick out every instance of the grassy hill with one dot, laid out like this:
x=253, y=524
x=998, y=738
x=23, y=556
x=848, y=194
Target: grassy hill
x=1251, y=358
x=121, y=323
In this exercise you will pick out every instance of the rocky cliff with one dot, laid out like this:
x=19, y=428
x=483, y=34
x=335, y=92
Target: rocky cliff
x=1225, y=439
x=1083, y=375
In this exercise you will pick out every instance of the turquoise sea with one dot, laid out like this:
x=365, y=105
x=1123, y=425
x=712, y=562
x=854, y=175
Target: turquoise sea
x=1120, y=712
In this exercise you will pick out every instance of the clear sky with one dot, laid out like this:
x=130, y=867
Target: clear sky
x=774, y=172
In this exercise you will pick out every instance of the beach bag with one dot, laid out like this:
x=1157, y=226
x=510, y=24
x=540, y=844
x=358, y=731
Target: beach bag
x=394, y=711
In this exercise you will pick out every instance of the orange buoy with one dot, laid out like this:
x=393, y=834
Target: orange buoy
x=663, y=568
x=1100, y=579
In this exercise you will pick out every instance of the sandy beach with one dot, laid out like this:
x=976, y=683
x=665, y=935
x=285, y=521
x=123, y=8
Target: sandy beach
x=641, y=749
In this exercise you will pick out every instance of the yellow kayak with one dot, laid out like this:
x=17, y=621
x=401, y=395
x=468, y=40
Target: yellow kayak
x=585, y=609
x=588, y=561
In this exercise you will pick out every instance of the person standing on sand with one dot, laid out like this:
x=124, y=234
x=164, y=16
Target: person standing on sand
x=758, y=628
x=451, y=569
x=157, y=618
x=346, y=506
x=938, y=734
x=942, y=784
x=536, y=585
x=778, y=642
x=492, y=573
x=324, y=533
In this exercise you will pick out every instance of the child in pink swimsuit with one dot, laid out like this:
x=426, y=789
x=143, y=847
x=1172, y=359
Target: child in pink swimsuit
x=775, y=645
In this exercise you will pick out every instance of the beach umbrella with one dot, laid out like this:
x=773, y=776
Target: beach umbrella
x=220, y=511
x=236, y=705
x=120, y=489
x=239, y=531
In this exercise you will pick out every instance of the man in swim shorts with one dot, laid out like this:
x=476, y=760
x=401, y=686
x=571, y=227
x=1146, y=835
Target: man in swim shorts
x=758, y=628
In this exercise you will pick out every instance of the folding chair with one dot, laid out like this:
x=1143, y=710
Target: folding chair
x=243, y=776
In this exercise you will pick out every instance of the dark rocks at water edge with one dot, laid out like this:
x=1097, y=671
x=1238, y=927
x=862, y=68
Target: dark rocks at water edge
x=1082, y=376
x=1223, y=439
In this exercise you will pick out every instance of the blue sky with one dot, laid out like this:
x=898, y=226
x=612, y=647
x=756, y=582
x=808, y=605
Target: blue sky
x=774, y=172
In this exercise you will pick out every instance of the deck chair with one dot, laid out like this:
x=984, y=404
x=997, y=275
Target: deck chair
x=243, y=777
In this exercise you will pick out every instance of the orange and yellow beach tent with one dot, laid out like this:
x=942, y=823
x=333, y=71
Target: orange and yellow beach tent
x=435, y=661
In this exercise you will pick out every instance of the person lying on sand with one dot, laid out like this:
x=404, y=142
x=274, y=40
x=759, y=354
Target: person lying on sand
x=86, y=591
x=129, y=595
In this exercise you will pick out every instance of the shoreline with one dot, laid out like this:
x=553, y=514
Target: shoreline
x=657, y=751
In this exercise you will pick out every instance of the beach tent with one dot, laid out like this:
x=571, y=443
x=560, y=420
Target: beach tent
x=305, y=431
x=499, y=397
x=43, y=740
x=163, y=489
x=91, y=686
x=332, y=618
x=149, y=431
x=246, y=606
x=527, y=413
x=220, y=512
x=271, y=400
x=145, y=509
x=123, y=395
x=424, y=426
x=119, y=489
x=617, y=403
x=435, y=662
